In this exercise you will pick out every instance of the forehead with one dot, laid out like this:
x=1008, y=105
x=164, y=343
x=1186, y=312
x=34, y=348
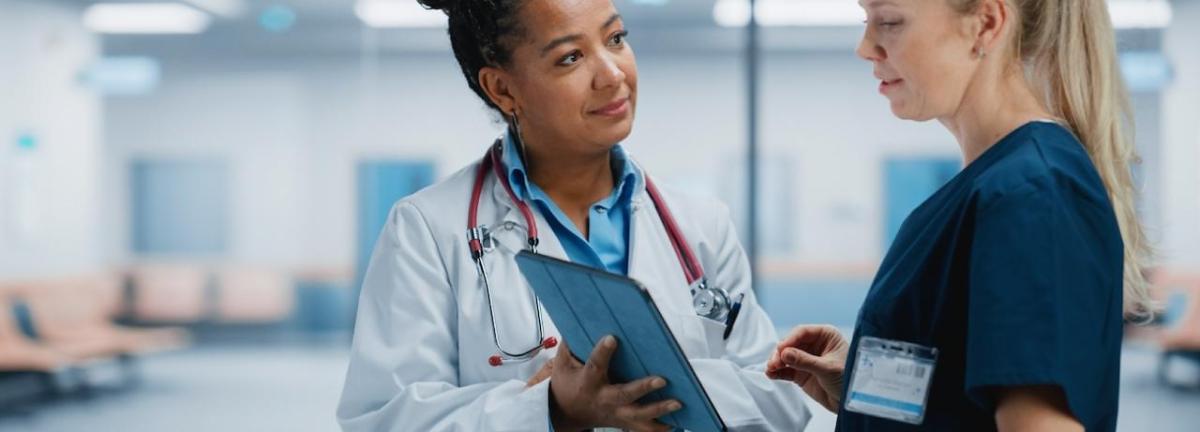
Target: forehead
x=549, y=19
x=873, y=4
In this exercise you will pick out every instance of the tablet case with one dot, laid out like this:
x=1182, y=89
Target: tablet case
x=587, y=304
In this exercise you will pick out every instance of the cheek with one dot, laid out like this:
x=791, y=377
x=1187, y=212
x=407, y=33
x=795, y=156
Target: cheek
x=631, y=70
x=935, y=81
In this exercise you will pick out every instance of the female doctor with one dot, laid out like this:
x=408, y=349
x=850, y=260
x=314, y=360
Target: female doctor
x=449, y=335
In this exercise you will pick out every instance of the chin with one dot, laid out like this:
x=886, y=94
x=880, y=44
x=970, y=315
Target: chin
x=616, y=133
x=903, y=113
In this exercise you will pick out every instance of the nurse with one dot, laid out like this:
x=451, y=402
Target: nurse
x=439, y=348
x=1001, y=303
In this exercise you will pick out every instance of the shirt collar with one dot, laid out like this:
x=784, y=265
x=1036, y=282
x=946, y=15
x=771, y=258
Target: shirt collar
x=629, y=181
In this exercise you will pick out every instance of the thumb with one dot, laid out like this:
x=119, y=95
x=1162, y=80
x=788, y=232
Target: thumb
x=801, y=360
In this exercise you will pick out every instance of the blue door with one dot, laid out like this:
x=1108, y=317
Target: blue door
x=908, y=182
x=180, y=207
x=380, y=184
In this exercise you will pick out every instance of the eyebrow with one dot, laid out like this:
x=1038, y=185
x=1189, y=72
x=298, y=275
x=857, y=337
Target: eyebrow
x=572, y=38
x=873, y=3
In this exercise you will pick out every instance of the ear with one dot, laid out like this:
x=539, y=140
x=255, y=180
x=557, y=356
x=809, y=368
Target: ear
x=497, y=84
x=991, y=25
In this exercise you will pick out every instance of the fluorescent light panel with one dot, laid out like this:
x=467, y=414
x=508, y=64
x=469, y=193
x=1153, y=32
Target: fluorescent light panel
x=832, y=13
x=1131, y=14
x=145, y=18
x=398, y=14
x=223, y=8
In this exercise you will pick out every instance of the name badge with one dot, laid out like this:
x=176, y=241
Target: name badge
x=891, y=380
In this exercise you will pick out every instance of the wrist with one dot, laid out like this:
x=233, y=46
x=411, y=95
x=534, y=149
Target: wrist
x=559, y=420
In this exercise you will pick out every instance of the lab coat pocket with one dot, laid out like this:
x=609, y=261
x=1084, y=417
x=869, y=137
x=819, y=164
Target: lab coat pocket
x=700, y=338
x=714, y=336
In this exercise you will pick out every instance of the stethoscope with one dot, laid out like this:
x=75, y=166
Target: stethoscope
x=709, y=302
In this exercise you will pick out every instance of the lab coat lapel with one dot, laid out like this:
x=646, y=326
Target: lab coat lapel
x=509, y=213
x=653, y=263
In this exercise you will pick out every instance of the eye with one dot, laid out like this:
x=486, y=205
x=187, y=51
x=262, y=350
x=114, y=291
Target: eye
x=618, y=39
x=889, y=23
x=570, y=59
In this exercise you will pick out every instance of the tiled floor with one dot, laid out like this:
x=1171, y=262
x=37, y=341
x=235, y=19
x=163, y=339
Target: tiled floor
x=296, y=389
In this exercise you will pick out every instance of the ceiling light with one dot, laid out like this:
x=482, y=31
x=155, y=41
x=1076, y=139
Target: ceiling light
x=145, y=18
x=398, y=13
x=1131, y=14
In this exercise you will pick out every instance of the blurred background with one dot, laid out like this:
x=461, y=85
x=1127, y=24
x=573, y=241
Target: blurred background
x=189, y=189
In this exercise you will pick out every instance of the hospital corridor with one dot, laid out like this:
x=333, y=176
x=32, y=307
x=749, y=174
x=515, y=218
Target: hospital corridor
x=326, y=215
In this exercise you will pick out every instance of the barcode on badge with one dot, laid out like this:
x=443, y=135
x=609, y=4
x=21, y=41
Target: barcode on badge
x=915, y=371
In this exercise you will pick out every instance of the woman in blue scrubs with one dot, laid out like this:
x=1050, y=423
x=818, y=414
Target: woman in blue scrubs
x=1001, y=303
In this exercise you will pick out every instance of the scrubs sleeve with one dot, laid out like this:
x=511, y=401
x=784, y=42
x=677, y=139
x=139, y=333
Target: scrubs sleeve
x=403, y=373
x=737, y=382
x=1040, y=296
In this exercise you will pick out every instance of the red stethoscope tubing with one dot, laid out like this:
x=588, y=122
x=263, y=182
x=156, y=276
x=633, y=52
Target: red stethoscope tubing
x=692, y=269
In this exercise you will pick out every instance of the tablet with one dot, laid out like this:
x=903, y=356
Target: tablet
x=587, y=304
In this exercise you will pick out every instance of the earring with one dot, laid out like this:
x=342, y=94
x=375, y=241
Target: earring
x=516, y=125
x=516, y=131
x=980, y=54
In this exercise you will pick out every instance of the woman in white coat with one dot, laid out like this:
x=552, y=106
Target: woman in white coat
x=425, y=351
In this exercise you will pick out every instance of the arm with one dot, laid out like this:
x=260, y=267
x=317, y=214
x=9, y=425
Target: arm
x=1039, y=408
x=403, y=371
x=748, y=400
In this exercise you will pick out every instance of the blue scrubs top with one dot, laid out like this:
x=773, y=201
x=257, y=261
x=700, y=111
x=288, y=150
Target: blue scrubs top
x=1013, y=271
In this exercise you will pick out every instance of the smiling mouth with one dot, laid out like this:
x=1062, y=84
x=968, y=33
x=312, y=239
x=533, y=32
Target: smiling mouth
x=614, y=109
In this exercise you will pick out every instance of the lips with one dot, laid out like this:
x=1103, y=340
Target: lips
x=614, y=109
x=885, y=85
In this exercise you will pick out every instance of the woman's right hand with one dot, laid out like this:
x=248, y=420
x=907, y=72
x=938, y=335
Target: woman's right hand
x=581, y=396
x=814, y=358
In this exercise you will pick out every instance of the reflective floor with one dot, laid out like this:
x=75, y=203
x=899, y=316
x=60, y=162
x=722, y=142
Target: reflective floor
x=255, y=388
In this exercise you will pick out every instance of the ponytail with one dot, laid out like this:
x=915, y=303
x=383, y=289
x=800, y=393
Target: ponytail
x=1069, y=50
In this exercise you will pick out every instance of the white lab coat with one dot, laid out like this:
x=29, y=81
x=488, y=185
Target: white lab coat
x=423, y=336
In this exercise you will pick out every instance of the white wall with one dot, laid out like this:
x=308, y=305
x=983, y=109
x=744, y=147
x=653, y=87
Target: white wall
x=1180, y=230
x=48, y=197
x=294, y=129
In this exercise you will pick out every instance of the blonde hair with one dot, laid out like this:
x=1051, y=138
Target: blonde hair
x=1068, y=48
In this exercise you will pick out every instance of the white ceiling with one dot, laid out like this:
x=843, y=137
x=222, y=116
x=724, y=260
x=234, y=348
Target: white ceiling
x=329, y=27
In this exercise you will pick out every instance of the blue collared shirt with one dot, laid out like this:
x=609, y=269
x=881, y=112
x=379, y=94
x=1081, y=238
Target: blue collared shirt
x=607, y=244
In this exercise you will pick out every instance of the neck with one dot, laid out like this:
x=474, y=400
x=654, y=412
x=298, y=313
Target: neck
x=574, y=181
x=996, y=104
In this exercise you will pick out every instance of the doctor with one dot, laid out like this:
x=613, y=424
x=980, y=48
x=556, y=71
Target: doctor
x=449, y=335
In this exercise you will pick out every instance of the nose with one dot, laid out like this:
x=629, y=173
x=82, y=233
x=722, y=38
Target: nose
x=608, y=73
x=869, y=50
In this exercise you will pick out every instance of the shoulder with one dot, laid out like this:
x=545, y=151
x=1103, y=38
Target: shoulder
x=1042, y=161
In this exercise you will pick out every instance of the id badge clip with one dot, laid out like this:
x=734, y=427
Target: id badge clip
x=891, y=380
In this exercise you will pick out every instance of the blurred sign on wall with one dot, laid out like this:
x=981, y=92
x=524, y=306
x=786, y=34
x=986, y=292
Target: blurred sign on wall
x=123, y=76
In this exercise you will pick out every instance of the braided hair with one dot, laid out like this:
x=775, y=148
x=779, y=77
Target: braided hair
x=481, y=33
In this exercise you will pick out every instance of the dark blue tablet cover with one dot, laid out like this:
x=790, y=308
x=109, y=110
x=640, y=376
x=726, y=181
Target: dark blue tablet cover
x=587, y=304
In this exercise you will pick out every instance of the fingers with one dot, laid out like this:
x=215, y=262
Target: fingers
x=564, y=360
x=789, y=374
x=630, y=392
x=598, y=361
x=633, y=413
x=803, y=361
x=804, y=335
x=542, y=374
